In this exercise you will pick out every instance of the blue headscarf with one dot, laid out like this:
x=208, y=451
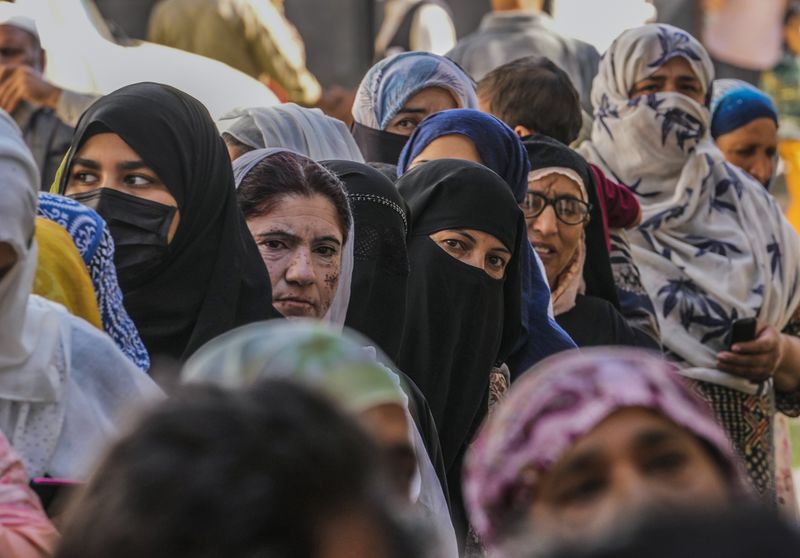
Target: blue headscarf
x=93, y=239
x=390, y=83
x=498, y=146
x=501, y=150
x=735, y=104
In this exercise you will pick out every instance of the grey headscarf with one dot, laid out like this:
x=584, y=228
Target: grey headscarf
x=307, y=131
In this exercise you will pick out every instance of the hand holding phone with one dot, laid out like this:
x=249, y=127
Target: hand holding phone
x=743, y=330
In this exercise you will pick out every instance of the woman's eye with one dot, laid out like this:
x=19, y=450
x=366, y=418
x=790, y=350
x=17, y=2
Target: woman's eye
x=327, y=251
x=137, y=180
x=496, y=262
x=667, y=462
x=407, y=124
x=272, y=244
x=771, y=152
x=581, y=491
x=454, y=244
x=85, y=177
x=749, y=152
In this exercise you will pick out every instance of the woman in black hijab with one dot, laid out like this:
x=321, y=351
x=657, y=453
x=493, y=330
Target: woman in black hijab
x=380, y=275
x=464, y=297
x=149, y=159
x=565, y=228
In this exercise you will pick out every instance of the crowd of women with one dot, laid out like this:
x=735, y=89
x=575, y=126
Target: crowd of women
x=443, y=333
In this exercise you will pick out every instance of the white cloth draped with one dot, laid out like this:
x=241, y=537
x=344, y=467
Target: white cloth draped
x=713, y=246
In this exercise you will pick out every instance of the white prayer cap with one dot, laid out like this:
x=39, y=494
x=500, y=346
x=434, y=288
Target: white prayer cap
x=11, y=14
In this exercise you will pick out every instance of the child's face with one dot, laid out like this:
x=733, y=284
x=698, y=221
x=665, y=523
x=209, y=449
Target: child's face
x=791, y=32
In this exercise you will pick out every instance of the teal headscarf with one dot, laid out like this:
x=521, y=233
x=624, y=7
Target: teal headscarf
x=308, y=351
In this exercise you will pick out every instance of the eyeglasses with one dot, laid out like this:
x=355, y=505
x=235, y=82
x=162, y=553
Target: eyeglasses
x=569, y=210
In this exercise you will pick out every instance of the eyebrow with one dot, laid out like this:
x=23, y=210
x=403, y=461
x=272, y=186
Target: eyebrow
x=89, y=163
x=293, y=238
x=132, y=165
x=328, y=238
x=412, y=110
x=125, y=165
x=653, y=438
x=281, y=235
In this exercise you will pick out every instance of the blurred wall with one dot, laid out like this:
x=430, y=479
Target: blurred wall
x=338, y=33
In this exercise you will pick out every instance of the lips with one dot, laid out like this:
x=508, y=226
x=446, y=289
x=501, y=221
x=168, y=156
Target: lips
x=294, y=305
x=544, y=250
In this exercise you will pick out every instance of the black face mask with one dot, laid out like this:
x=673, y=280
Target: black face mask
x=140, y=229
x=378, y=146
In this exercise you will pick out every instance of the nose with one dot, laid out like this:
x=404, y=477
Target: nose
x=300, y=269
x=635, y=494
x=546, y=224
x=762, y=168
x=476, y=258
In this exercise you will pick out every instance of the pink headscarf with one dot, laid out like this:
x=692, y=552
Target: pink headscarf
x=559, y=401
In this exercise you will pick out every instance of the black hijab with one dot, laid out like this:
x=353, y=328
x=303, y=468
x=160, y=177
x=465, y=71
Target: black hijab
x=213, y=278
x=459, y=321
x=545, y=152
x=380, y=273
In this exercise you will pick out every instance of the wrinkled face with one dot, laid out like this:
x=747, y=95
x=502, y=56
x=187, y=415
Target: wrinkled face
x=634, y=462
x=554, y=241
x=8, y=257
x=301, y=242
x=423, y=104
x=389, y=427
x=19, y=48
x=448, y=147
x=106, y=161
x=475, y=248
x=752, y=148
x=675, y=76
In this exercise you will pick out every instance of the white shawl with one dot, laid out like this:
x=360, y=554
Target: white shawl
x=713, y=246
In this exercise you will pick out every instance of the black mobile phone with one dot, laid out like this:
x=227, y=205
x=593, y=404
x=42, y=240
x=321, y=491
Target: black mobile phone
x=743, y=330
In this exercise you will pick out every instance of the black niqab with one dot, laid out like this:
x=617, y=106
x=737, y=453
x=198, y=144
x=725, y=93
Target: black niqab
x=378, y=146
x=380, y=272
x=459, y=321
x=214, y=278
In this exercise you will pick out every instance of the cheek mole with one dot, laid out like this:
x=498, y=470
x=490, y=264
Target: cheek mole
x=331, y=280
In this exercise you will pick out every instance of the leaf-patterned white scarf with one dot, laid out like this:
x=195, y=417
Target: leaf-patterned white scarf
x=713, y=245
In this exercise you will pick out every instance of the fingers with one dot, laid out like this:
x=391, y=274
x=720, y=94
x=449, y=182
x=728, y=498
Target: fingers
x=765, y=342
x=753, y=367
x=10, y=94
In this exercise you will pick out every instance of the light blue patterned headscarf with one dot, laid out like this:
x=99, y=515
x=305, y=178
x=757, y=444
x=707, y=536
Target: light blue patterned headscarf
x=95, y=245
x=713, y=245
x=391, y=82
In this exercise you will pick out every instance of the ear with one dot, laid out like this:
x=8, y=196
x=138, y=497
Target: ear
x=522, y=131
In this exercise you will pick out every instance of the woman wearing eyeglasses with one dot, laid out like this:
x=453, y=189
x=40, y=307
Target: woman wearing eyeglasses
x=557, y=212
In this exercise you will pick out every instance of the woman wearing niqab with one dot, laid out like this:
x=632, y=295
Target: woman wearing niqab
x=450, y=347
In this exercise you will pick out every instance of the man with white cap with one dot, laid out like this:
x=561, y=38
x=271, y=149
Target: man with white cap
x=32, y=101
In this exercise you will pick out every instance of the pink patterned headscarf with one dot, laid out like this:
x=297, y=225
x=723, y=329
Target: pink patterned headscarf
x=561, y=400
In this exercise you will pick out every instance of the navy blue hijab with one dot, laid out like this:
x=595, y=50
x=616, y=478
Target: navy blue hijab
x=501, y=150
